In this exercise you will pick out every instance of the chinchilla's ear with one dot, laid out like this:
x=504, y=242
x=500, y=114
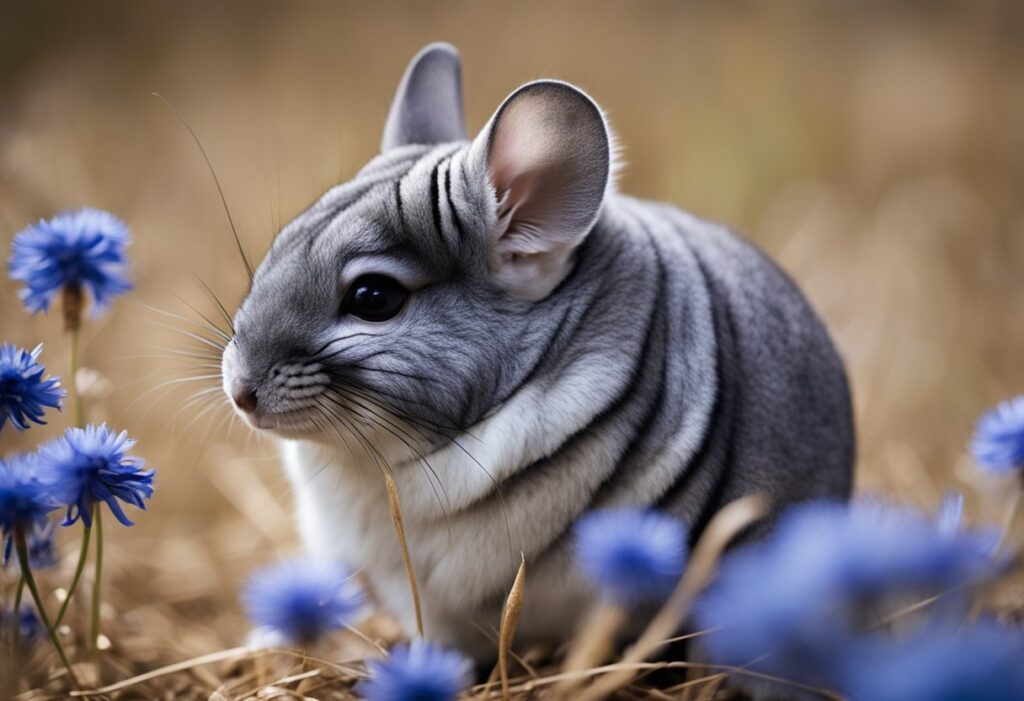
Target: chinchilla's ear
x=427, y=108
x=547, y=154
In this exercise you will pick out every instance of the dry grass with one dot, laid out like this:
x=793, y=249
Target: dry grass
x=876, y=152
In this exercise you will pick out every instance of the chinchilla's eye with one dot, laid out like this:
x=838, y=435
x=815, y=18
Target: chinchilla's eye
x=374, y=297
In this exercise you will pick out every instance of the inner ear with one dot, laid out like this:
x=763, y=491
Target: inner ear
x=548, y=159
x=427, y=108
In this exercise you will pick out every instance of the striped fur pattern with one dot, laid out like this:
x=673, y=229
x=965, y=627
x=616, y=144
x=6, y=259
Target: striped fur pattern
x=563, y=348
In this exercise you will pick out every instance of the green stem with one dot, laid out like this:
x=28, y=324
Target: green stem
x=79, y=413
x=17, y=615
x=98, y=521
x=83, y=554
x=26, y=573
x=18, y=592
x=1009, y=537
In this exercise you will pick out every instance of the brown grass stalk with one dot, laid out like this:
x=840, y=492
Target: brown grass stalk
x=592, y=645
x=396, y=517
x=509, y=621
x=725, y=526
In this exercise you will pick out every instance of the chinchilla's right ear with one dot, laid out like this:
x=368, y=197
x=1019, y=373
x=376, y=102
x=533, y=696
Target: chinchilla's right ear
x=546, y=157
x=427, y=108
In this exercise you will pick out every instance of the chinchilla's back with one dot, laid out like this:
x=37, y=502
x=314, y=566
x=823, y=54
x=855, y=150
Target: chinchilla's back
x=782, y=421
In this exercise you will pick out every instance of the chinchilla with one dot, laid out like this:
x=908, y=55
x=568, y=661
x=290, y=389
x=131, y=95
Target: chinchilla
x=519, y=343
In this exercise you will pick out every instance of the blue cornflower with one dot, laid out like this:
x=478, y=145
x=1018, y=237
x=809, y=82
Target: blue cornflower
x=951, y=513
x=300, y=600
x=998, y=442
x=23, y=391
x=42, y=546
x=885, y=547
x=88, y=465
x=983, y=662
x=949, y=522
x=29, y=626
x=792, y=605
x=417, y=672
x=24, y=500
x=83, y=248
x=631, y=555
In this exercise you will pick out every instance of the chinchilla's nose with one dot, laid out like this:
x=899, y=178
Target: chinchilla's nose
x=244, y=396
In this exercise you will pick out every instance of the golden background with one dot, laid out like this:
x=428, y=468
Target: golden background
x=875, y=149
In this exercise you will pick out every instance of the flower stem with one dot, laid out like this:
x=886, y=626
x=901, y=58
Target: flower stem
x=17, y=614
x=26, y=573
x=18, y=592
x=1009, y=538
x=83, y=554
x=97, y=519
x=79, y=408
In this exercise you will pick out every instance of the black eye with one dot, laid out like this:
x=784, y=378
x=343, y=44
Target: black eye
x=374, y=297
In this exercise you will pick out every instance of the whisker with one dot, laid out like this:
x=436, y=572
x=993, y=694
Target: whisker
x=167, y=384
x=213, y=406
x=454, y=440
x=210, y=325
x=384, y=371
x=216, y=180
x=178, y=317
x=397, y=431
x=171, y=354
x=315, y=355
x=215, y=299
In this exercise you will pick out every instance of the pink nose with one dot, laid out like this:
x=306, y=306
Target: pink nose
x=245, y=397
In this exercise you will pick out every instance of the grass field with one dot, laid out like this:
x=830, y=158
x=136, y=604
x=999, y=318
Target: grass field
x=875, y=151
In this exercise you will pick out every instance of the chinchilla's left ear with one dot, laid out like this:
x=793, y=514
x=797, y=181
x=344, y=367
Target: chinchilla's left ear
x=547, y=154
x=427, y=108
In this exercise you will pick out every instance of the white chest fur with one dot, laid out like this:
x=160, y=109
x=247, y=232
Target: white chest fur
x=464, y=553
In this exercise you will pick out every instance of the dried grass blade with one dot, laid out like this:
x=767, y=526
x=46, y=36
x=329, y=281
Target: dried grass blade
x=222, y=656
x=724, y=526
x=396, y=517
x=509, y=620
x=594, y=643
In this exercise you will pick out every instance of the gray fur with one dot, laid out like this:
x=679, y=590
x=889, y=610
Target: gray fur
x=428, y=105
x=668, y=363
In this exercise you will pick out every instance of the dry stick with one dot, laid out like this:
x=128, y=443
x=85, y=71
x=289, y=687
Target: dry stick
x=396, y=517
x=234, y=654
x=710, y=689
x=224, y=655
x=534, y=684
x=592, y=645
x=725, y=525
x=509, y=620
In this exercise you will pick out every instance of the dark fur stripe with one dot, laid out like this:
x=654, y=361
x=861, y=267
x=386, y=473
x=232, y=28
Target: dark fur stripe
x=451, y=206
x=398, y=203
x=630, y=391
x=715, y=453
x=435, y=201
x=543, y=356
x=725, y=418
x=658, y=319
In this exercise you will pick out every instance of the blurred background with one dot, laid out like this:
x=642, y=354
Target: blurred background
x=875, y=149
